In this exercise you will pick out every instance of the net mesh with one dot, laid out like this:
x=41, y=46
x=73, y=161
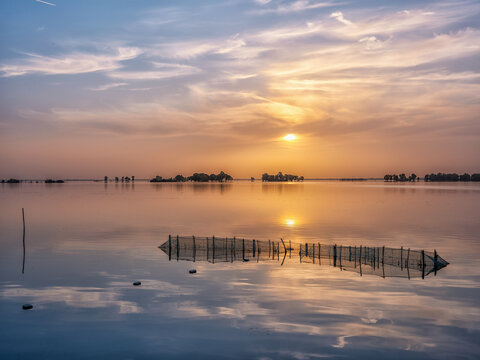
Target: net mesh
x=381, y=261
x=221, y=249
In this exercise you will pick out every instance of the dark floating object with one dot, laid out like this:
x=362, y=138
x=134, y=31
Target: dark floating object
x=137, y=283
x=192, y=271
x=27, y=306
x=380, y=261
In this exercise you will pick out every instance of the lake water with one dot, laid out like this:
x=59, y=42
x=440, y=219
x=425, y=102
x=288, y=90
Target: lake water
x=87, y=242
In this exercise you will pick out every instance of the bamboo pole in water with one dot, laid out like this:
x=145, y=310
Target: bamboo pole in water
x=169, y=247
x=23, y=218
x=194, y=249
x=401, y=258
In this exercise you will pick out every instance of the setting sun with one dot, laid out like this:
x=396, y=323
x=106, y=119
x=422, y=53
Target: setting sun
x=290, y=137
x=290, y=222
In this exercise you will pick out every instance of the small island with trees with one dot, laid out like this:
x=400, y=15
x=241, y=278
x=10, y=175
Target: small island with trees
x=281, y=177
x=196, y=177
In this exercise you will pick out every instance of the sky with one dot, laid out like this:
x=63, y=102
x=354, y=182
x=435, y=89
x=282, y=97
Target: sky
x=120, y=87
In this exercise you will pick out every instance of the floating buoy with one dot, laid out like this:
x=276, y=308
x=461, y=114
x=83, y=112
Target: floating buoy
x=27, y=306
x=137, y=283
x=192, y=271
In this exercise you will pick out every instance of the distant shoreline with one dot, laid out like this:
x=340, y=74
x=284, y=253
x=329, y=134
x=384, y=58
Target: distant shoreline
x=42, y=181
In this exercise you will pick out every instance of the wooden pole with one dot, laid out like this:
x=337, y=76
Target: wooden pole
x=408, y=257
x=225, y=248
x=23, y=218
x=194, y=249
x=169, y=247
x=213, y=249
x=401, y=258
x=243, y=249
x=360, y=260
x=355, y=257
x=423, y=264
x=335, y=255
x=313, y=253
x=374, y=258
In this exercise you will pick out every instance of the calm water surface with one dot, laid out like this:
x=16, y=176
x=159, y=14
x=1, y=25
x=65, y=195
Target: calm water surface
x=87, y=242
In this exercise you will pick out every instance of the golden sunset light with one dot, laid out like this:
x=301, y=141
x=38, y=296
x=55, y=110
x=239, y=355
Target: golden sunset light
x=290, y=137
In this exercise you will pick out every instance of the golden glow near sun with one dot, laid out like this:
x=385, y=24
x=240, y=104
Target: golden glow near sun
x=290, y=137
x=290, y=222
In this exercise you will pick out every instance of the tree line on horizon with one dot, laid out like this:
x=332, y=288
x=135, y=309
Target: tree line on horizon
x=452, y=177
x=196, y=177
x=122, y=179
x=432, y=177
x=402, y=177
x=281, y=177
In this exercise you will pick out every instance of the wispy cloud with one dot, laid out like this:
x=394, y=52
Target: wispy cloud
x=75, y=63
x=159, y=71
x=296, y=6
x=339, y=16
x=107, y=86
x=46, y=2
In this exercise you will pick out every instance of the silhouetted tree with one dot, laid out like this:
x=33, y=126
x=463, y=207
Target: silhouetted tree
x=105, y=179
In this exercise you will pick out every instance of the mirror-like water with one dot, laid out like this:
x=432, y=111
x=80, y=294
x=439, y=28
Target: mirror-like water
x=87, y=242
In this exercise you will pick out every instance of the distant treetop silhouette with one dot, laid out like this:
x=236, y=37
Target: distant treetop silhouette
x=281, y=177
x=197, y=177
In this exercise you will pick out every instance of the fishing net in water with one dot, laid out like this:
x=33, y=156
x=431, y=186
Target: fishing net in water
x=217, y=249
x=381, y=261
